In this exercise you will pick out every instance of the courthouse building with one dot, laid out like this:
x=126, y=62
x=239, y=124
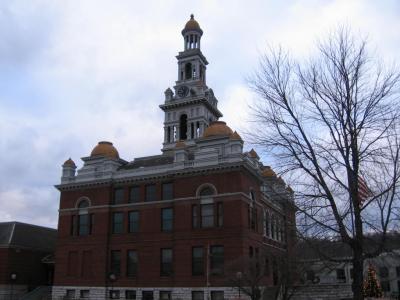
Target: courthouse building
x=167, y=226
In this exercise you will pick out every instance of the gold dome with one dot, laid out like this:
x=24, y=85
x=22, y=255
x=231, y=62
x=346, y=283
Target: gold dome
x=268, y=172
x=217, y=128
x=236, y=136
x=192, y=25
x=105, y=149
x=69, y=163
x=253, y=154
x=180, y=145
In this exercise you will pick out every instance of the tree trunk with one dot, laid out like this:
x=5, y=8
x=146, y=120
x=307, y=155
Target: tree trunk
x=358, y=271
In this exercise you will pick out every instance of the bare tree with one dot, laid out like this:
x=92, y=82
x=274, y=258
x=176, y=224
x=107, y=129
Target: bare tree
x=332, y=126
x=247, y=275
x=270, y=275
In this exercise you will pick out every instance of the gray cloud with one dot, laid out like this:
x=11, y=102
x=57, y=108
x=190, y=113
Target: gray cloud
x=75, y=73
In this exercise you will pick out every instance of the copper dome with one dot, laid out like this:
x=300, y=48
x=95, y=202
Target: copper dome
x=105, y=149
x=268, y=172
x=236, y=136
x=192, y=25
x=69, y=163
x=218, y=128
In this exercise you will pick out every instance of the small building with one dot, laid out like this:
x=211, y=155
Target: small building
x=325, y=278
x=23, y=252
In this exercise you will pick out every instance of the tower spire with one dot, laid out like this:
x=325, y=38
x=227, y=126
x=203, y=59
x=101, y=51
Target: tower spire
x=192, y=106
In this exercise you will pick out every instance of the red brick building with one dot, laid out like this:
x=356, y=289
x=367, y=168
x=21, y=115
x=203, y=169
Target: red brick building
x=168, y=226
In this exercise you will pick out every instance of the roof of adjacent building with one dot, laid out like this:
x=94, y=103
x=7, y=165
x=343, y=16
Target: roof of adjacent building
x=317, y=249
x=22, y=235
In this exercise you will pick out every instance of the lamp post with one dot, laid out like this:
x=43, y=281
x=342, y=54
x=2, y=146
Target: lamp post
x=112, y=278
x=13, y=278
x=239, y=278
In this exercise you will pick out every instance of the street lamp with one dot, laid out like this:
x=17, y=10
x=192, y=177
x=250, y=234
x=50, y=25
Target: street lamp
x=112, y=278
x=239, y=278
x=13, y=278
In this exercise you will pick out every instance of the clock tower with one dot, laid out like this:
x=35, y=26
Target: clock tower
x=191, y=106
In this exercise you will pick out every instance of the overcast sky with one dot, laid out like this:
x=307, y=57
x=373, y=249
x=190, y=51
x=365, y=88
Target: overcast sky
x=73, y=73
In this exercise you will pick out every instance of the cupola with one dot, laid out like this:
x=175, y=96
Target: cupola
x=192, y=34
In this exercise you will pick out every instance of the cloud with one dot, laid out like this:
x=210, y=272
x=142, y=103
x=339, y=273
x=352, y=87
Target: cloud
x=74, y=73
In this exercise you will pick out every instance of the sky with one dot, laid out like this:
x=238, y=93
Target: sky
x=73, y=73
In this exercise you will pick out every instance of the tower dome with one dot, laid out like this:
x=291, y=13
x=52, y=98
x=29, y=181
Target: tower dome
x=218, y=128
x=106, y=149
x=192, y=25
x=69, y=163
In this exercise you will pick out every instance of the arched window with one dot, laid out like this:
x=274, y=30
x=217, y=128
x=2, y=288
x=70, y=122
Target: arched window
x=188, y=71
x=206, y=190
x=183, y=127
x=273, y=227
x=252, y=196
x=84, y=203
x=83, y=221
x=267, y=224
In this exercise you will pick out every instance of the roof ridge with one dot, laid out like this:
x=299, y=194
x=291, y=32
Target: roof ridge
x=28, y=224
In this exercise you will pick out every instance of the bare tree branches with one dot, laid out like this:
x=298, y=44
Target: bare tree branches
x=328, y=123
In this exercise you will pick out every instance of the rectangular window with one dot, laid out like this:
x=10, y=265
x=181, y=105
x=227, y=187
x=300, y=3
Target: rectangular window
x=134, y=194
x=133, y=218
x=254, y=219
x=130, y=294
x=84, y=294
x=266, y=267
x=217, y=260
x=87, y=263
x=217, y=295
x=167, y=219
x=220, y=214
x=118, y=222
x=118, y=196
x=165, y=295
x=70, y=294
x=207, y=215
x=83, y=224
x=197, y=261
x=166, y=262
x=151, y=194
x=147, y=295
x=131, y=263
x=340, y=275
x=115, y=262
x=73, y=225
x=72, y=263
x=114, y=294
x=251, y=253
x=197, y=295
x=167, y=191
x=195, y=217
x=398, y=272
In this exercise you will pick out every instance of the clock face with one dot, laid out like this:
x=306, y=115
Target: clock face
x=183, y=91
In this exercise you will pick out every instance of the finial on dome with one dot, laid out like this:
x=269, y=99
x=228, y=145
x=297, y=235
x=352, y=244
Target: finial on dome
x=191, y=16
